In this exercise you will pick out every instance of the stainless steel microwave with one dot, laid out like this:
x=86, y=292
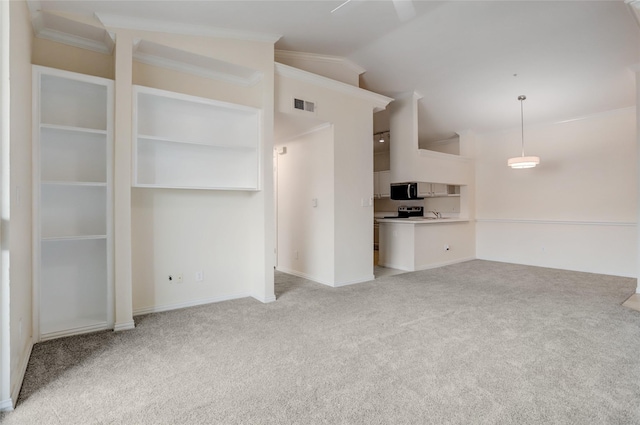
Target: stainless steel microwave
x=405, y=191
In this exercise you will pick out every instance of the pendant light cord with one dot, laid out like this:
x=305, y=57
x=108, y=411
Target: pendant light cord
x=521, y=99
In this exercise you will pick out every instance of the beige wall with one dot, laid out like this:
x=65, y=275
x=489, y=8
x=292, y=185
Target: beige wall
x=335, y=68
x=62, y=56
x=576, y=210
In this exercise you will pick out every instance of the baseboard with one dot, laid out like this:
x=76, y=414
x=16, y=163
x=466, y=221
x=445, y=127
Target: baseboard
x=168, y=307
x=271, y=298
x=125, y=326
x=6, y=405
x=22, y=370
x=446, y=263
x=304, y=276
x=394, y=266
x=325, y=282
x=353, y=282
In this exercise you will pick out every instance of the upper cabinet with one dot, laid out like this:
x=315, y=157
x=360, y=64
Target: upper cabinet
x=190, y=142
x=381, y=184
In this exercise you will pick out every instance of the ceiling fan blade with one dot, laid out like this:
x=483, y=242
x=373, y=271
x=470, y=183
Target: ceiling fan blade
x=404, y=9
x=345, y=7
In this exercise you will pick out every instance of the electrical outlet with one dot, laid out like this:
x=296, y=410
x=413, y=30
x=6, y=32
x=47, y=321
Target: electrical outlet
x=175, y=278
x=199, y=276
x=447, y=248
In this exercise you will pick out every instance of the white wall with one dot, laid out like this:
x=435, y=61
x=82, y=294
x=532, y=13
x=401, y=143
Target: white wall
x=576, y=210
x=228, y=235
x=350, y=110
x=408, y=162
x=306, y=172
x=16, y=208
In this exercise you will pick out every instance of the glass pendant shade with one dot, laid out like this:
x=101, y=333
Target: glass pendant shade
x=523, y=162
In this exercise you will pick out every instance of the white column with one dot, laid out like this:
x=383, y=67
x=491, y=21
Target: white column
x=122, y=181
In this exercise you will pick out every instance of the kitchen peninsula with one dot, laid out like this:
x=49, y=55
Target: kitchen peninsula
x=419, y=243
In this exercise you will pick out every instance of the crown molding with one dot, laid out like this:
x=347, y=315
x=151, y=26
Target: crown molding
x=313, y=57
x=128, y=22
x=378, y=101
x=68, y=31
x=162, y=56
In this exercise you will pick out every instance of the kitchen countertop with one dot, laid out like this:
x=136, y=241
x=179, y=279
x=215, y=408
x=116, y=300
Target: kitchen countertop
x=422, y=220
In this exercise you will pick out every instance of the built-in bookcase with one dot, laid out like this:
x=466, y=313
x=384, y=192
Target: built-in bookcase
x=190, y=142
x=73, y=137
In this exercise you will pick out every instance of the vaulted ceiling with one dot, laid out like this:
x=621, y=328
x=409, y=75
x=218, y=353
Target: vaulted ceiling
x=469, y=59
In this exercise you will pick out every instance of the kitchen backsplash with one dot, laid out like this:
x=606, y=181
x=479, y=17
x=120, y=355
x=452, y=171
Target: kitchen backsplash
x=448, y=206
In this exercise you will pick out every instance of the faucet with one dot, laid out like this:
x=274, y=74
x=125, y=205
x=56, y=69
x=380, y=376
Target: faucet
x=436, y=213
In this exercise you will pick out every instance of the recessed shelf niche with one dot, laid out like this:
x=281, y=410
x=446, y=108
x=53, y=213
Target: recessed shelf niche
x=189, y=142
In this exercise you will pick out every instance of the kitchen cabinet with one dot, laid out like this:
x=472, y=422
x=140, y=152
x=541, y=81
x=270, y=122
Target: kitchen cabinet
x=382, y=184
x=72, y=178
x=189, y=142
x=433, y=189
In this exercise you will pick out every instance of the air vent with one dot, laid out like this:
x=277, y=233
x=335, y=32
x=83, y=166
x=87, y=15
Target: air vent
x=304, y=105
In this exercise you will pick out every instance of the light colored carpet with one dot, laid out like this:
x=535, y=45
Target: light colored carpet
x=472, y=343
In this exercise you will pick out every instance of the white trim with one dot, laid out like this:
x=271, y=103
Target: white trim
x=125, y=326
x=175, y=306
x=427, y=266
x=378, y=101
x=105, y=45
x=354, y=281
x=560, y=222
x=102, y=326
x=325, y=282
x=161, y=56
x=196, y=70
x=22, y=369
x=314, y=57
x=6, y=405
x=264, y=300
x=72, y=40
x=444, y=263
x=128, y=22
x=315, y=129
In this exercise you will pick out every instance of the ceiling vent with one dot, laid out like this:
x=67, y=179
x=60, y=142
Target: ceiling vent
x=304, y=105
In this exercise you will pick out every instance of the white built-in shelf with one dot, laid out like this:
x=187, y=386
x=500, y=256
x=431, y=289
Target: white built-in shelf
x=145, y=138
x=74, y=183
x=72, y=134
x=54, y=127
x=73, y=238
x=189, y=142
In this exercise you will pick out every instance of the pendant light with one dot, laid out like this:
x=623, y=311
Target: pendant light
x=523, y=161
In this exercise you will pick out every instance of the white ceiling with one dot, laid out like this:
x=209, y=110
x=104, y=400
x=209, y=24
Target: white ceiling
x=571, y=58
